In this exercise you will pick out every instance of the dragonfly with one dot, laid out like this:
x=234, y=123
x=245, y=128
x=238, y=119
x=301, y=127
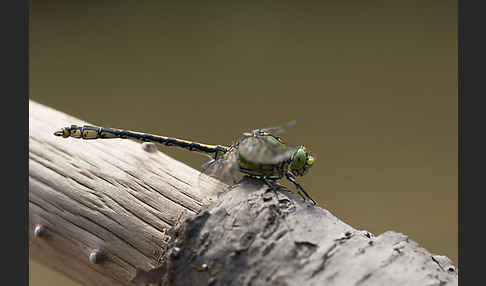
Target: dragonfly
x=260, y=153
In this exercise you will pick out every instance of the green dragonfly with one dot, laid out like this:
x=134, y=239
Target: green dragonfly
x=259, y=153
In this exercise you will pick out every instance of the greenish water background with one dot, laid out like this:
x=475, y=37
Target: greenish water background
x=373, y=85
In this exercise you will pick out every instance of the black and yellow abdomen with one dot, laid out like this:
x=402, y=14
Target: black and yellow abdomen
x=93, y=132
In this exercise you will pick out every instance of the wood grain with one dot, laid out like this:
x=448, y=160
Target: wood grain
x=112, y=196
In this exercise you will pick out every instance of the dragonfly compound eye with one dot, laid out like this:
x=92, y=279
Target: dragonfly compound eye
x=297, y=165
x=301, y=162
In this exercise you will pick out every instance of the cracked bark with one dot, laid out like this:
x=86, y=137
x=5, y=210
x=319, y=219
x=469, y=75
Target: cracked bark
x=258, y=236
x=151, y=223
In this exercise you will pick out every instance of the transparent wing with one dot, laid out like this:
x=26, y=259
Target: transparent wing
x=265, y=149
x=225, y=169
x=274, y=130
x=280, y=129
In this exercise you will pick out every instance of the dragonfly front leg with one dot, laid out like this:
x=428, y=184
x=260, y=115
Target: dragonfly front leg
x=272, y=186
x=300, y=190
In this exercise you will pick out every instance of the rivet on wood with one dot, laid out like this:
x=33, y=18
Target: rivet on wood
x=39, y=230
x=149, y=147
x=95, y=256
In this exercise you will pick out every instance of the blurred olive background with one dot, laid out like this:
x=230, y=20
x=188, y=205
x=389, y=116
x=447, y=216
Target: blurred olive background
x=373, y=85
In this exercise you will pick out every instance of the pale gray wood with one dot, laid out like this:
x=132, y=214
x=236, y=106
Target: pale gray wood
x=131, y=203
x=110, y=195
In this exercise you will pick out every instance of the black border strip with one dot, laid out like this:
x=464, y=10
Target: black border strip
x=14, y=31
x=471, y=144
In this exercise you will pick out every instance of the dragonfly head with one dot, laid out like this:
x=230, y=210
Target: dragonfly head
x=301, y=161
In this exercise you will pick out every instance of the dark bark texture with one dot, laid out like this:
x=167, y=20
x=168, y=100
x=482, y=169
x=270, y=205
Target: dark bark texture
x=260, y=235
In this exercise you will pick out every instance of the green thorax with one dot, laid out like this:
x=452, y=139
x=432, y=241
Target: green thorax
x=261, y=148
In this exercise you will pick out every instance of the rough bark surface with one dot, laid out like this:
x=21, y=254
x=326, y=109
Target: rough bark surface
x=257, y=235
x=151, y=223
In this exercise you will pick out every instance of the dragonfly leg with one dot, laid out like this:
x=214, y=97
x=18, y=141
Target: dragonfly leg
x=301, y=190
x=273, y=186
x=271, y=183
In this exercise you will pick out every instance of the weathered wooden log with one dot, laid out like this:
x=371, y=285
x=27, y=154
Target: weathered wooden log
x=114, y=213
x=113, y=197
